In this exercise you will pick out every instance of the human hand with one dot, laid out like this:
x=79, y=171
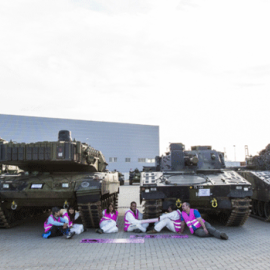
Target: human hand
x=205, y=230
x=65, y=225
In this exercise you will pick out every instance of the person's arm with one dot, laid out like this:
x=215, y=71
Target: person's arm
x=202, y=224
x=173, y=216
x=55, y=223
x=182, y=226
x=131, y=219
x=140, y=216
x=63, y=220
x=77, y=214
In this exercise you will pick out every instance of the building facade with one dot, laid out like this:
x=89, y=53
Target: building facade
x=125, y=146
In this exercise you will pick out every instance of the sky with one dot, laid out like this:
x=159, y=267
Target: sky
x=199, y=69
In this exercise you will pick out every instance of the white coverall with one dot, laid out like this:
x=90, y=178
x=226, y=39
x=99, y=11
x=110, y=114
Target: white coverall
x=167, y=220
x=77, y=228
x=108, y=226
x=136, y=223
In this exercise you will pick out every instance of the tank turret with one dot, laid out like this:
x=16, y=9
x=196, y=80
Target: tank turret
x=63, y=155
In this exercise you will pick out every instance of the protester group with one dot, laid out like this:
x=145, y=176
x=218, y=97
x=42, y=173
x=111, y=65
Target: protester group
x=62, y=222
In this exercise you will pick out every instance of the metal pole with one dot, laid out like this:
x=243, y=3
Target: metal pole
x=234, y=153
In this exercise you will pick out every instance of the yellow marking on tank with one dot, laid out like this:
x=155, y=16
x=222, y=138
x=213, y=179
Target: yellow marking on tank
x=178, y=203
x=214, y=203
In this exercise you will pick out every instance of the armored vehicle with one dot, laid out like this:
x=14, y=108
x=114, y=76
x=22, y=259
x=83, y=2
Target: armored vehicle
x=134, y=176
x=257, y=172
x=59, y=173
x=199, y=177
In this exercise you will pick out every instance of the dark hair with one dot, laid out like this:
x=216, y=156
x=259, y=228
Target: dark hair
x=107, y=209
x=173, y=207
x=188, y=204
x=71, y=216
x=132, y=203
x=55, y=210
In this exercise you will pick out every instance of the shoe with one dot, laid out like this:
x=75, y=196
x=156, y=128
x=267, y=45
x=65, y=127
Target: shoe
x=46, y=235
x=152, y=231
x=224, y=236
x=70, y=235
x=99, y=231
x=137, y=231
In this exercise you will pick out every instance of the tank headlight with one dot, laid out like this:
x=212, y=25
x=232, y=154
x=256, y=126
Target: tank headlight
x=238, y=187
x=5, y=185
x=147, y=190
x=245, y=188
x=65, y=185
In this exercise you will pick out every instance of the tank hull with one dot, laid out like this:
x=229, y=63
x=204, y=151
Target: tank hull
x=27, y=195
x=229, y=202
x=260, y=181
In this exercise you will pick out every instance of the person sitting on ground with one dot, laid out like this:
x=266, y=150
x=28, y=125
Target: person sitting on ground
x=197, y=225
x=108, y=223
x=171, y=220
x=56, y=225
x=132, y=220
x=71, y=215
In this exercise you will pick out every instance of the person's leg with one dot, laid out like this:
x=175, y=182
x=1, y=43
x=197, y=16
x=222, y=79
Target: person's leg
x=110, y=227
x=170, y=226
x=213, y=231
x=200, y=232
x=56, y=231
x=77, y=228
x=161, y=224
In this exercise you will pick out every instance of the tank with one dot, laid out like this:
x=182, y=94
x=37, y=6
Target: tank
x=60, y=173
x=134, y=176
x=199, y=177
x=257, y=172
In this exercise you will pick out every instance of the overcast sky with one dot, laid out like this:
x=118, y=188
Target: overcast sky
x=200, y=69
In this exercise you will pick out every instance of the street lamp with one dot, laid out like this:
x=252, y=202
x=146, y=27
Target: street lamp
x=234, y=153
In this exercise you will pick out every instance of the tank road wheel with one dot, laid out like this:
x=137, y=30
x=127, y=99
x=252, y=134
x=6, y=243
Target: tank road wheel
x=261, y=208
x=116, y=201
x=267, y=210
x=254, y=207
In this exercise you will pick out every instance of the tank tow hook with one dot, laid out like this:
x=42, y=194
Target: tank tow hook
x=178, y=203
x=214, y=203
x=14, y=205
x=65, y=205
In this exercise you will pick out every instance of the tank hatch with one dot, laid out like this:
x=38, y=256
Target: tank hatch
x=64, y=136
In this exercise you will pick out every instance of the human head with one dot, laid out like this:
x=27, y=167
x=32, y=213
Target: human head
x=56, y=211
x=186, y=206
x=111, y=208
x=71, y=210
x=133, y=206
x=171, y=207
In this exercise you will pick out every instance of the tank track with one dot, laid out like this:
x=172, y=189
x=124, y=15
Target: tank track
x=260, y=213
x=239, y=214
x=91, y=213
x=152, y=209
x=3, y=221
x=16, y=217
